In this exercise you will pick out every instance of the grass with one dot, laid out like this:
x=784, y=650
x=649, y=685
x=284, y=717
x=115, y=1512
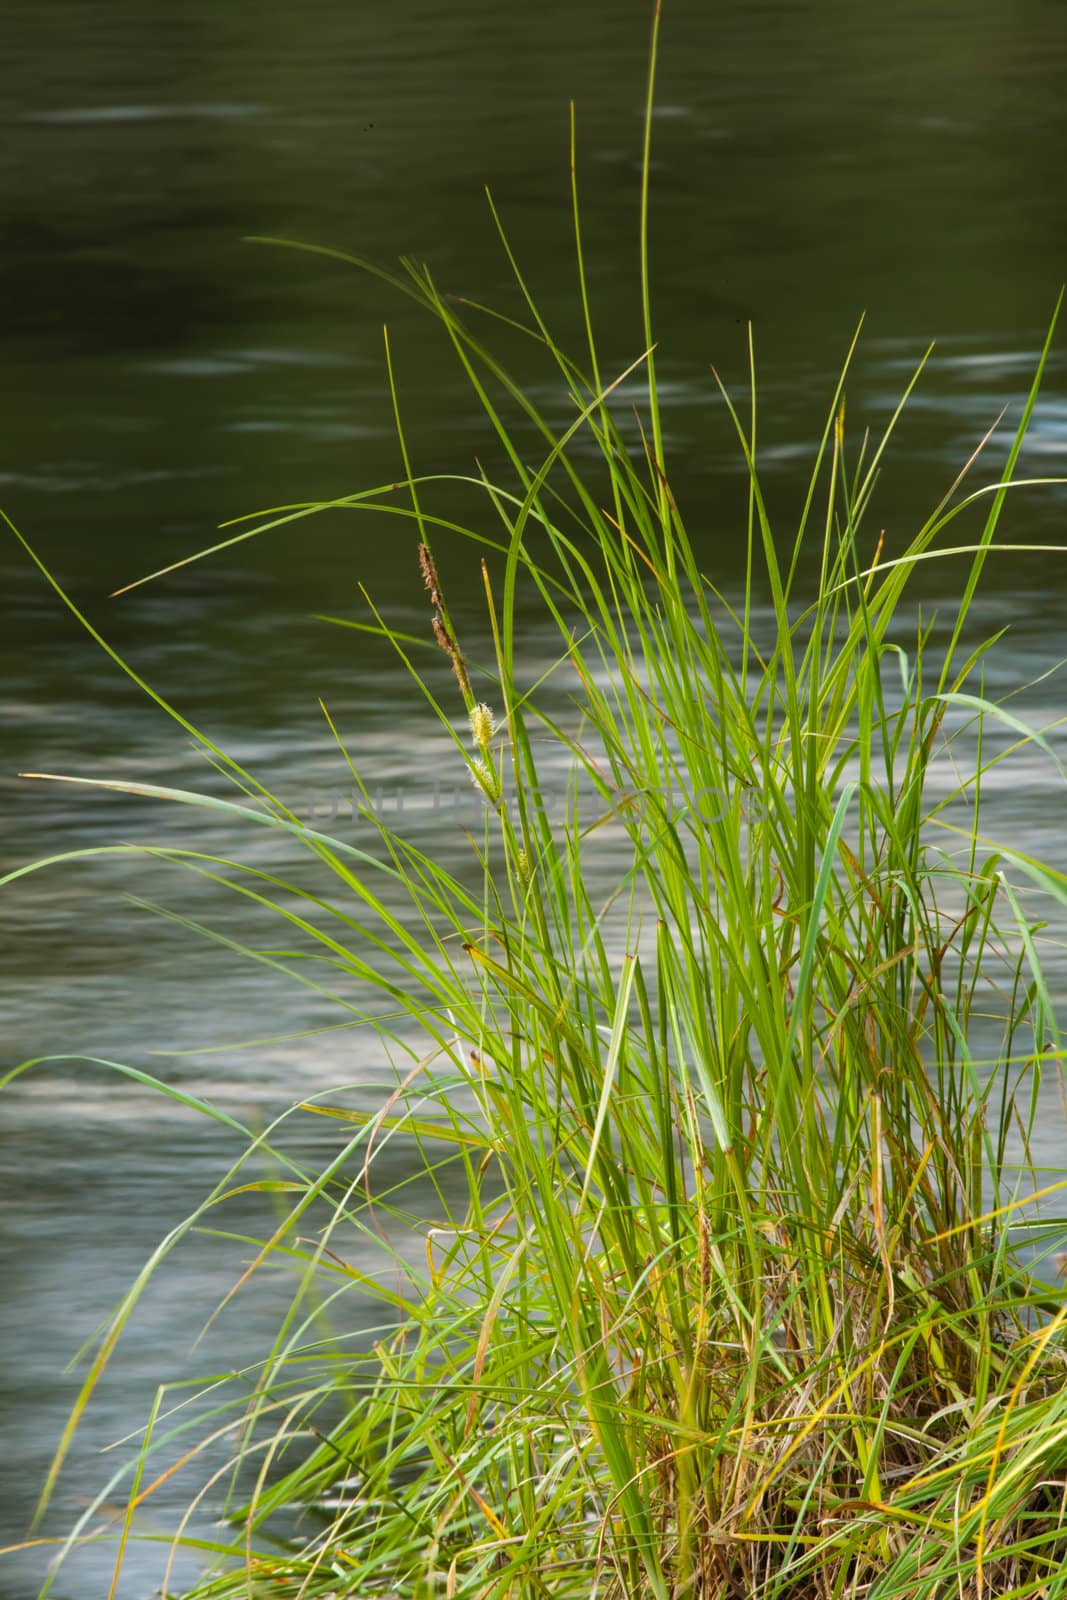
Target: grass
x=730, y=1286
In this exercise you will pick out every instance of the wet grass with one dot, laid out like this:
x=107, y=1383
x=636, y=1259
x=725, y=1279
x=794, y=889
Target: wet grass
x=726, y=1283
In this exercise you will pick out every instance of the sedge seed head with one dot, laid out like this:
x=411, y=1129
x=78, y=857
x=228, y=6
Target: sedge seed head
x=442, y=637
x=485, y=777
x=482, y=725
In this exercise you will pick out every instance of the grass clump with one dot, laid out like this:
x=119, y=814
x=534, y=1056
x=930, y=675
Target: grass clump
x=726, y=1289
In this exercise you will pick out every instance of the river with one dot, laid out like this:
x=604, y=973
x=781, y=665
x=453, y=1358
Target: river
x=812, y=163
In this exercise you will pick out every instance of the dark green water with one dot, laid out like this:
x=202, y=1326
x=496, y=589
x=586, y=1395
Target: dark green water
x=812, y=162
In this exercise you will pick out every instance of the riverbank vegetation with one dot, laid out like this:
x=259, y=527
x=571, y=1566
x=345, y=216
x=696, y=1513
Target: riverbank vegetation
x=730, y=1282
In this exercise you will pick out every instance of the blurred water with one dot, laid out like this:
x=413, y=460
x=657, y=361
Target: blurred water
x=812, y=163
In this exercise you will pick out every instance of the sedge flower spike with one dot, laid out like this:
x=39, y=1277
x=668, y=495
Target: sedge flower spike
x=485, y=777
x=482, y=725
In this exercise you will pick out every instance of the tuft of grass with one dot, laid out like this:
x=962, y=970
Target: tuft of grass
x=728, y=1288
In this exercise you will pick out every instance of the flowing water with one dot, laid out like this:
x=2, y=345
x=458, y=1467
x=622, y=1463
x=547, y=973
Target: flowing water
x=811, y=163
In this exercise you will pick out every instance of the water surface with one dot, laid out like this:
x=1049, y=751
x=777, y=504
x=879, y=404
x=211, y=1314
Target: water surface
x=812, y=163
